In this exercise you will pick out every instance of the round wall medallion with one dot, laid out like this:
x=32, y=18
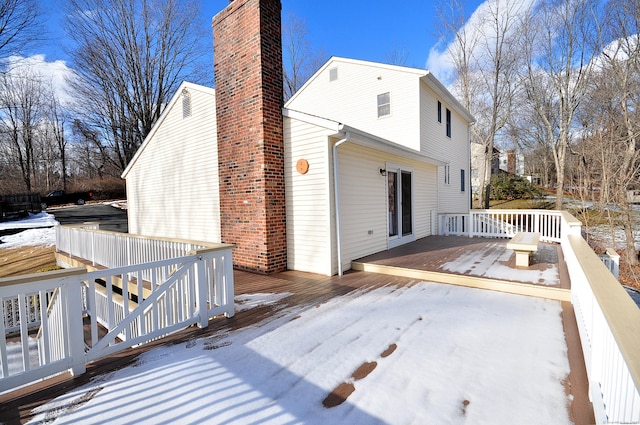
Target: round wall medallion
x=302, y=166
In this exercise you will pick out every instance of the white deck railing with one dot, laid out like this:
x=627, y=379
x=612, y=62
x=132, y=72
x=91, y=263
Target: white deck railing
x=609, y=325
x=608, y=319
x=115, y=249
x=178, y=293
x=503, y=223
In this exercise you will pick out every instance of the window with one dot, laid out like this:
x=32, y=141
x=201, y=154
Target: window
x=333, y=74
x=462, y=180
x=384, y=104
x=186, y=103
x=447, y=177
x=439, y=111
x=448, y=123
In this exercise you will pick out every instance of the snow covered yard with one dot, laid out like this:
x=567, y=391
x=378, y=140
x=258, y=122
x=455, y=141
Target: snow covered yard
x=38, y=231
x=425, y=353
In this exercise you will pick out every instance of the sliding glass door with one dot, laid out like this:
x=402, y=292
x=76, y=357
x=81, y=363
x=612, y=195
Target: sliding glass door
x=400, y=204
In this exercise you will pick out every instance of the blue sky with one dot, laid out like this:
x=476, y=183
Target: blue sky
x=361, y=29
x=358, y=29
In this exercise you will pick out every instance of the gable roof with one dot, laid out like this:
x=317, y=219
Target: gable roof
x=426, y=76
x=361, y=138
x=163, y=116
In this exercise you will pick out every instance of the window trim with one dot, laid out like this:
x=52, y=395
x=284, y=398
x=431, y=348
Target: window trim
x=448, y=123
x=382, y=105
x=440, y=112
x=447, y=175
x=462, y=180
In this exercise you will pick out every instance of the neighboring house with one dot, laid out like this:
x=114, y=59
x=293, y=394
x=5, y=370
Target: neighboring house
x=264, y=177
x=512, y=162
x=478, y=165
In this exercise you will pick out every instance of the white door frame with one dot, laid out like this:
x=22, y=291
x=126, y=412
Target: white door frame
x=400, y=239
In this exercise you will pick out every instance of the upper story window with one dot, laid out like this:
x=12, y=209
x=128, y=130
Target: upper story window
x=447, y=177
x=384, y=104
x=448, y=123
x=439, y=111
x=333, y=74
x=462, y=180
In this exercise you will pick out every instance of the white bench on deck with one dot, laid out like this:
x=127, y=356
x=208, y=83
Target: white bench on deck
x=524, y=243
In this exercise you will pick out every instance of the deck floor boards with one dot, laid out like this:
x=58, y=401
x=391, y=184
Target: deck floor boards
x=307, y=289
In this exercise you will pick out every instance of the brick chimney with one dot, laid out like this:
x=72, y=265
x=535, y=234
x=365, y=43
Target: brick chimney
x=249, y=98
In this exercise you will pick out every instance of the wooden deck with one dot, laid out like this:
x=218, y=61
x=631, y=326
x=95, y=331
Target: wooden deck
x=308, y=289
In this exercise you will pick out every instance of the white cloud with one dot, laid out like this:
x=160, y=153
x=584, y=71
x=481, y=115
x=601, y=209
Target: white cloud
x=56, y=72
x=618, y=50
x=478, y=29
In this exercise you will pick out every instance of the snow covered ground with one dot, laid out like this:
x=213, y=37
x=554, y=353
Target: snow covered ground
x=39, y=231
x=428, y=353
x=603, y=234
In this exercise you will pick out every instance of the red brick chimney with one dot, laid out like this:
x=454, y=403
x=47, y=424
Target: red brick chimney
x=249, y=98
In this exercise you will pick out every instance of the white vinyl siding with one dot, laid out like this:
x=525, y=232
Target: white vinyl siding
x=352, y=99
x=172, y=187
x=454, y=150
x=364, y=202
x=308, y=198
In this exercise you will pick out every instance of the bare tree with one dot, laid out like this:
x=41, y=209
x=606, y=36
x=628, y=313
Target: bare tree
x=301, y=61
x=486, y=55
x=397, y=56
x=57, y=119
x=613, y=109
x=19, y=26
x=559, y=62
x=21, y=105
x=131, y=55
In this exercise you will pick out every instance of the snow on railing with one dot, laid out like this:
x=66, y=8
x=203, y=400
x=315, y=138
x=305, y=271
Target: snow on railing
x=181, y=292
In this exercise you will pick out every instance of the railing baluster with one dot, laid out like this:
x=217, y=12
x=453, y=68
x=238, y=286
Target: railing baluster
x=24, y=332
x=3, y=347
x=44, y=328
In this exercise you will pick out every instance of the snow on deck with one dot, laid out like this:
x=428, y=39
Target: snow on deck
x=493, y=260
x=424, y=353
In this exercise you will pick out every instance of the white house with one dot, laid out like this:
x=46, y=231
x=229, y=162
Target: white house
x=402, y=144
x=169, y=180
x=362, y=158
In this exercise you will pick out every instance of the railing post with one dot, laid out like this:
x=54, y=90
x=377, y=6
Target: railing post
x=75, y=326
x=227, y=263
x=614, y=262
x=202, y=286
